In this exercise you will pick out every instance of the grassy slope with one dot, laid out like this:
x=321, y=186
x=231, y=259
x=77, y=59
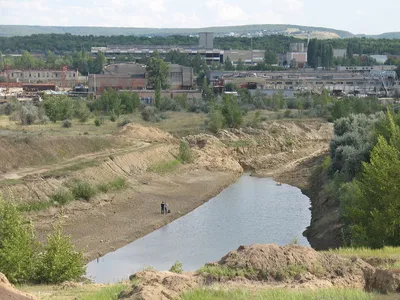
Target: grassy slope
x=272, y=294
x=15, y=30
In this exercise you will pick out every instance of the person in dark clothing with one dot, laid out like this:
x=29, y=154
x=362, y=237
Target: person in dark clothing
x=162, y=207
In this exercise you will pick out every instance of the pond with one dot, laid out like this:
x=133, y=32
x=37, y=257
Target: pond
x=250, y=211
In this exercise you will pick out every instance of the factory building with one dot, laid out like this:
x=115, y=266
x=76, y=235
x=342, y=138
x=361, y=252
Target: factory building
x=69, y=77
x=206, y=40
x=132, y=76
x=248, y=57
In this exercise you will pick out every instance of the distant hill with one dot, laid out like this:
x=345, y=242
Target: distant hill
x=21, y=30
x=292, y=30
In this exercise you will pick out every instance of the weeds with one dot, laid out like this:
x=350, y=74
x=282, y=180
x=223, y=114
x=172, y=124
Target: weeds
x=34, y=206
x=177, y=267
x=118, y=183
x=164, y=167
x=106, y=293
x=224, y=271
x=62, y=196
x=281, y=294
x=83, y=190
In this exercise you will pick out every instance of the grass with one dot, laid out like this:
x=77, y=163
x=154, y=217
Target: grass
x=390, y=256
x=164, y=167
x=236, y=144
x=273, y=294
x=386, y=252
x=224, y=271
x=35, y=206
x=84, y=292
x=8, y=182
x=83, y=190
x=118, y=183
x=61, y=172
x=62, y=196
x=107, y=293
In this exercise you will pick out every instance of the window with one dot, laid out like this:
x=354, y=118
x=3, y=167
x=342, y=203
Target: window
x=38, y=75
x=74, y=74
x=30, y=75
x=12, y=74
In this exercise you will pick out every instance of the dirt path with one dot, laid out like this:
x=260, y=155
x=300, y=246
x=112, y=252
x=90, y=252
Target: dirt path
x=73, y=162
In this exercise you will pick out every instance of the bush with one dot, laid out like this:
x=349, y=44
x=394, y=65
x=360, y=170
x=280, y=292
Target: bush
x=185, y=153
x=44, y=120
x=124, y=122
x=149, y=114
x=66, y=123
x=62, y=196
x=177, y=268
x=17, y=245
x=59, y=261
x=27, y=114
x=83, y=190
x=216, y=120
x=97, y=122
x=82, y=111
x=113, y=117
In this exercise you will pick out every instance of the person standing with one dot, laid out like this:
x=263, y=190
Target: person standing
x=166, y=208
x=163, y=207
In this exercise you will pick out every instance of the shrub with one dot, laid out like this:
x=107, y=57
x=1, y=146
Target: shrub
x=66, y=123
x=83, y=190
x=44, y=120
x=62, y=196
x=256, y=120
x=149, y=114
x=82, y=111
x=113, y=117
x=59, y=261
x=27, y=114
x=124, y=122
x=17, y=245
x=185, y=153
x=216, y=120
x=97, y=122
x=177, y=268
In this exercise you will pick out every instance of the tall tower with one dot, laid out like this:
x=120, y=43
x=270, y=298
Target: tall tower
x=64, y=76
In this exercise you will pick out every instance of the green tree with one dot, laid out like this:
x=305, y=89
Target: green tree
x=312, y=53
x=228, y=66
x=17, y=245
x=58, y=108
x=185, y=153
x=216, y=119
x=232, y=111
x=270, y=57
x=59, y=261
x=158, y=72
x=240, y=65
x=158, y=93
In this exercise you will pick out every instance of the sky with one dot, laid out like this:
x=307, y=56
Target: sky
x=356, y=16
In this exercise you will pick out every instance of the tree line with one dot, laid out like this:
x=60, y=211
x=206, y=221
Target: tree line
x=66, y=43
x=79, y=60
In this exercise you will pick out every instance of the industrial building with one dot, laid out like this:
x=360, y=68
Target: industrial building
x=378, y=79
x=248, y=57
x=132, y=76
x=206, y=40
x=69, y=78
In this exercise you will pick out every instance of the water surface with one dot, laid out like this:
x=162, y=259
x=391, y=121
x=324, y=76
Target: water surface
x=252, y=210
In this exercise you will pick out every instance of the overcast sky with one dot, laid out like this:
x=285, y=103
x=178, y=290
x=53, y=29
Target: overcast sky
x=357, y=16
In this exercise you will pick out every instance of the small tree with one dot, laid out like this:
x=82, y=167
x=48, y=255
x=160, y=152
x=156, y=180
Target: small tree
x=59, y=261
x=177, y=268
x=231, y=111
x=216, y=120
x=185, y=153
x=17, y=245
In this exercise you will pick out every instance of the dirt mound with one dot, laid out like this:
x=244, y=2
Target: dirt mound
x=160, y=285
x=293, y=262
x=264, y=266
x=148, y=134
x=212, y=154
x=9, y=292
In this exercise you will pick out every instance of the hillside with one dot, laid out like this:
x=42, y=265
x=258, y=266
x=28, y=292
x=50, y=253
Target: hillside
x=20, y=30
